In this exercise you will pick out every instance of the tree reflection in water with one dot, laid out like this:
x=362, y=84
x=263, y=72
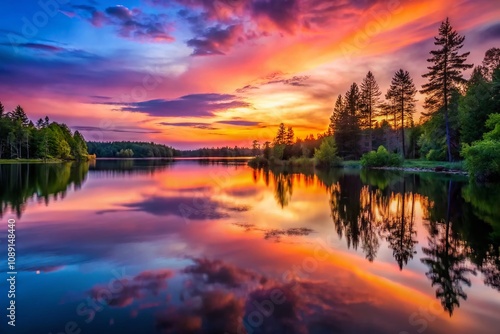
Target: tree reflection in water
x=369, y=208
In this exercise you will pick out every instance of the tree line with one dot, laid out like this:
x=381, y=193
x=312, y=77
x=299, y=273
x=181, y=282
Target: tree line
x=129, y=149
x=20, y=138
x=459, y=121
x=456, y=109
x=224, y=151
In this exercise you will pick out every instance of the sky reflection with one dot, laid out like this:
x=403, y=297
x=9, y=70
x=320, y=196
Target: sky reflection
x=193, y=248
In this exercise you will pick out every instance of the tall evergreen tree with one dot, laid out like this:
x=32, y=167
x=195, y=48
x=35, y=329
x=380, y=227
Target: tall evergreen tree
x=336, y=114
x=402, y=91
x=18, y=115
x=2, y=109
x=491, y=62
x=280, y=135
x=289, y=136
x=370, y=103
x=350, y=121
x=445, y=74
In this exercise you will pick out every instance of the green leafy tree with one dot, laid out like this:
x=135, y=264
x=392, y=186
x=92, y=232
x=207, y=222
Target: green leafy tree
x=445, y=74
x=475, y=107
x=482, y=158
x=326, y=155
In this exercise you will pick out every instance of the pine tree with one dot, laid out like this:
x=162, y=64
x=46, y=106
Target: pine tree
x=402, y=92
x=2, y=109
x=370, y=102
x=491, y=62
x=335, y=117
x=349, y=123
x=18, y=115
x=445, y=75
x=289, y=136
x=280, y=136
x=255, y=147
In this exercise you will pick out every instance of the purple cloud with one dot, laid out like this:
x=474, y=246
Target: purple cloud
x=130, y=23
x=239, y=123
x=216, y=40
x=36, y=46
x=194, y=105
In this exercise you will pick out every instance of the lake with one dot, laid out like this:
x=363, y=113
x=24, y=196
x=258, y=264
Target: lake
x=213, y=246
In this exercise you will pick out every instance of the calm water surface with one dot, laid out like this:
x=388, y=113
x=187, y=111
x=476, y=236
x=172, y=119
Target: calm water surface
x=217, y=247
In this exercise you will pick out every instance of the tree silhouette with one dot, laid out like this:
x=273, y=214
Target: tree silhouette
x=401, y=234
x=445, y=73
x=283, y=188
x=370, y=101
x=402, y=92
x=446, y=261
x=280, y=138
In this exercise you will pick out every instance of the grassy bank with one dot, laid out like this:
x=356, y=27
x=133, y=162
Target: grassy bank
x=417, y=164
x=259, y=162
x=28, y=161
x=407, y=164
x=459, y=165
x=39, y=161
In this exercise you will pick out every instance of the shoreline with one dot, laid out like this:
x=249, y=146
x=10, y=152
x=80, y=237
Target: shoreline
x=424, y=170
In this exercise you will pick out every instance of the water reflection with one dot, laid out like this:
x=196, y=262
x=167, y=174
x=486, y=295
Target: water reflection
x=462, y=222
x=204, y=246
x=20, y=183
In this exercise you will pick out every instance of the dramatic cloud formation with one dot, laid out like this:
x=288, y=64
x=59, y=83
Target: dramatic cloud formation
x=191, y=71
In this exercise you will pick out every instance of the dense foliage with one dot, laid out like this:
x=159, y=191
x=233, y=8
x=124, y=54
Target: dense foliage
x=128, y=149
x=20, y=138
x=482, y=158
x=381, y=158
x=326, y=155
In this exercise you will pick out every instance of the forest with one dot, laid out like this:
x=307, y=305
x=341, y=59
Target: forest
x=225, y=151
x=129, y=149
x=461, y=119
x=21, y=139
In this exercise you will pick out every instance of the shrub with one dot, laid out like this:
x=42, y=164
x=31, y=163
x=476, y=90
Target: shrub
x=326, y=155
x=482, y=158
x=278, y=151
x=301, y=162
x=258, y=162
x=381, y=158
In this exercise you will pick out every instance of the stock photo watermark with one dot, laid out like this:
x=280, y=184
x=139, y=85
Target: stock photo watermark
x=11, y=273
x=379, y=19
x=30, y=26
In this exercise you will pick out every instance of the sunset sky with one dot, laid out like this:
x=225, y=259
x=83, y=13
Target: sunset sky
x=192, y=73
